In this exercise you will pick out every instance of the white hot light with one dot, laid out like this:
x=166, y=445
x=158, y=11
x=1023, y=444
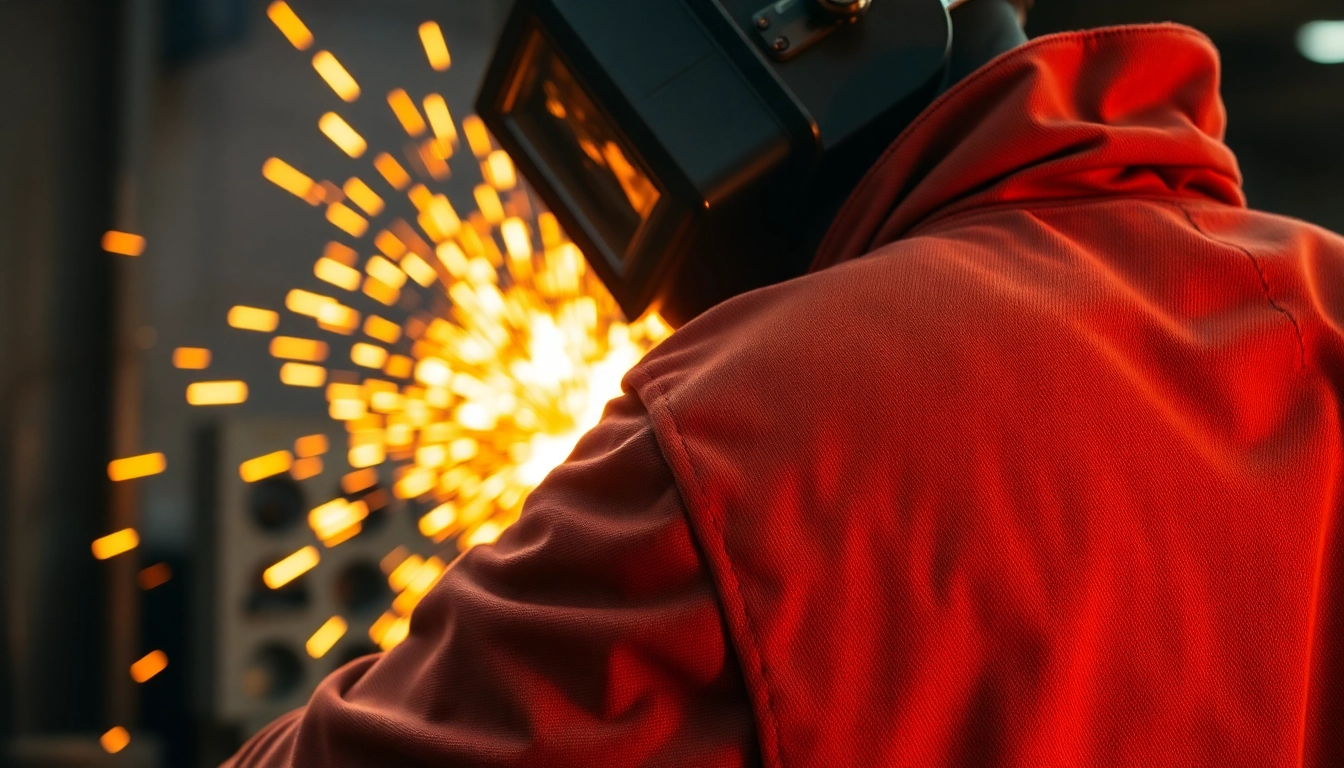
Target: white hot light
x=1322, y=41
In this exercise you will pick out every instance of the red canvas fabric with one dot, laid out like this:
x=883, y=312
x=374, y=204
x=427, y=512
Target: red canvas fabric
x=1040, y=466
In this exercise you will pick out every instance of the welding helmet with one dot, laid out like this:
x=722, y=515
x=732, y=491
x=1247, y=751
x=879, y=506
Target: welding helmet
x=683, y=144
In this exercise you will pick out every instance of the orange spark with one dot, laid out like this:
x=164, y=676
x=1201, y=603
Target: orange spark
x=362, y=194
x=253, y=319
x=290, y=179
x=406, y=113
x=290, y=25
x=137, y=466
x=391, y=170
x=342, y=134
x=123, y=243
x=478, y=138
x=291, y=348
x=266, y=466
x=217, y=393
x=291, y=567
x=303, y=375
x=115, y=544
x=312, y=445
x=435, y=46
x=336, y=76
x=154, y=576
x=149, y=665
x=325, y=637
x=347, y=220
x=115, y=740
x=191, y=358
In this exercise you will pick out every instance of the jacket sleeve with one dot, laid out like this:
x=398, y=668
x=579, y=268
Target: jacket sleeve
x=590, y=634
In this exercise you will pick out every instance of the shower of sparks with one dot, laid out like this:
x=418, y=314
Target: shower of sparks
x=115, y=740
x=123, y=243
x=150, y=665
x=191, y=358
x=290, y=25
x=114, y=544
x=490, y=351
x=137, y=466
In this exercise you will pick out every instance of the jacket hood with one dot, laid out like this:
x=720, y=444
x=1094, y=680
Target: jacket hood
x=1119, y=111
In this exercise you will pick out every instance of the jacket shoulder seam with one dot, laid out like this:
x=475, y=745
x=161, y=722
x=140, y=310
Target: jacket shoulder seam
x=1264, y=283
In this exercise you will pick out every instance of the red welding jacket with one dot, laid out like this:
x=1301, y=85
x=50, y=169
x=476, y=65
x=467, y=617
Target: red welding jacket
x=1042, y=468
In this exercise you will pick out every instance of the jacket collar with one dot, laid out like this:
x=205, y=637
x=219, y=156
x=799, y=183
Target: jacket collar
x=1114, y=112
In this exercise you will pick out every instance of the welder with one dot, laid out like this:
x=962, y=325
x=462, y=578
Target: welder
x=997, y=430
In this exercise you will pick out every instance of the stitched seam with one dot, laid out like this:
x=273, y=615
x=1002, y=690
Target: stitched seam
x=1083, y=36
x=935, y=225
x=771, y=719
x=1264, y=283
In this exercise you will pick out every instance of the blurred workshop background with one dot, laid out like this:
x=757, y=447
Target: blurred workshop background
x=156, y=118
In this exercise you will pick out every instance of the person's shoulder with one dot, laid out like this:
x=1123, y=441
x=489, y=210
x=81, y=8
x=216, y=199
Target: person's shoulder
x=879, y=313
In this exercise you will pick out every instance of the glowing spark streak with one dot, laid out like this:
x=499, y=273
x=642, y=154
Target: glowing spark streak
x=434, y=154
x=123, y=243
x=499, y=170
x=406, y=113
x=381, y=292
x=347, y=220
x=312, y=445
x=191, y=358
x=154, y=576
x=253, y=319
x=341, y=254
x=516, y=239
x=326, y=637
x=137, y=466
x=115, y=740
x=478, y=138
x=303, y=375
x=360, y=480
x=435, y=46
x=391, y=171
x=290, y=179
x=440, y=119
x=433, y=372
x=438, y=521
x=550, y=230
x=302, y=302
x=389, y=244
x=306, y=468
x=150, y=665
x=217, y=393
x=290, y=25
x=363, y=196
x=419, y=270
x=336, y=273
x=385, y=271
x=366, y=455
x=290, y=348
x=291, y=567
x=385, y=331
x=368, y=355
x=266, y=466
x=342, y=134
x=487, y=199
x=115, y=544
x=336, y=76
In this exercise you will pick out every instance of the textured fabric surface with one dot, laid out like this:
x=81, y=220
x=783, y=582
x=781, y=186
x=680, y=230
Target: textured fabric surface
x=1040, y=466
